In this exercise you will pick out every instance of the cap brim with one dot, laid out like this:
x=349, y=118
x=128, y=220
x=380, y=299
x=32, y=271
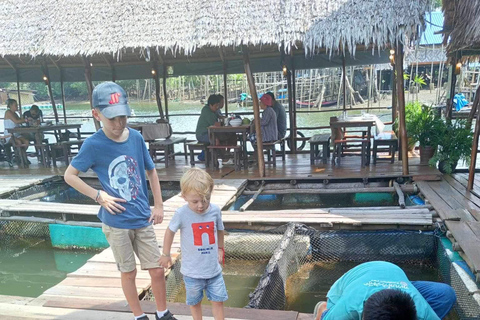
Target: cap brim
x=116, y=111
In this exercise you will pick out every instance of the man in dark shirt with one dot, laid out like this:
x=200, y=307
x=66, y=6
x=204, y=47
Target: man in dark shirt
x=281, y=116
x=33, y=116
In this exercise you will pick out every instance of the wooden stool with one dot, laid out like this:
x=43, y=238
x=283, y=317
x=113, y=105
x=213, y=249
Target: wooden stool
x=214, y=155
x=389, y=142
x=198, y=146
x=315, y=141
x=66, y=148
x=166, y=145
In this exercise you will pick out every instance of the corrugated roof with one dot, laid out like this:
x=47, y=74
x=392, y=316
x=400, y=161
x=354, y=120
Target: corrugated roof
x=433, y=23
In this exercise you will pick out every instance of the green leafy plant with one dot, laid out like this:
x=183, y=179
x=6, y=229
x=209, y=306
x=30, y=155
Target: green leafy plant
x=412, y=109
x=424, y=126
x=455, y=143
x=419, y=80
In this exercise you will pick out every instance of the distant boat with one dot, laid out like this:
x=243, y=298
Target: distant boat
x=304, y=104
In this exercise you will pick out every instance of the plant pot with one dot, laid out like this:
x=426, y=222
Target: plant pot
x=426, y=153
x=443, y=166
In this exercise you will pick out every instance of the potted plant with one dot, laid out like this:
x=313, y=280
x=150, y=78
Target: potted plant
x=455, y=144
x=412, y=109
x=425, y=128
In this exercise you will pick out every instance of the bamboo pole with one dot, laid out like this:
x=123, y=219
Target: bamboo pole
x=344, y=91
x=165, y=94
x=394, y=94
x=401, y=196
x=18, y=91
x=63, y=96
x=225, y=88
x=401, y=106
x=249, y=202
x=290, y=107
x=473, y=161
x=50, y=93
x=453, y=82
x=88, y=79
x=158, y=99
x=256, y=111
x=294, y=101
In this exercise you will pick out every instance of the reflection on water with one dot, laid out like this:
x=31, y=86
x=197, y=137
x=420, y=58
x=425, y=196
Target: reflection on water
x=30, y=266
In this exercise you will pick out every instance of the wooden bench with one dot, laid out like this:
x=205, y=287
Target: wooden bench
x=166, y=146
x=388, y=142
x=214, y=155
x=192, y=146
x=269, y=147
x=66, y=149
x=315, y=142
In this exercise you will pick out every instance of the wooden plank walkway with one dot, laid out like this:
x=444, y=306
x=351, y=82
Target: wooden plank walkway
x=460, y=210
x=99, y=280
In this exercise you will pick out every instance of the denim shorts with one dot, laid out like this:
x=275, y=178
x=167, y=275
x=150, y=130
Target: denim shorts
x=214, y=288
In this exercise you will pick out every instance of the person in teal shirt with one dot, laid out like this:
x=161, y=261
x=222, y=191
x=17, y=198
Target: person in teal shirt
x=381, y=290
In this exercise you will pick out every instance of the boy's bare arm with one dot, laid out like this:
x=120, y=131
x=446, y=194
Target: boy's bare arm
x=104, y=199
x=165, y=259
x=221, y=246
x=157, y=212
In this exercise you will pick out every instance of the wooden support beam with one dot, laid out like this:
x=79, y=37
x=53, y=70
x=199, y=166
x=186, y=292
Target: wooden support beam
x=256, y=112
x=63, y=96
x=18, y=91
x=254, y=197
x=294, y=104
x=401, y=106
x=401, y=196
x=225, y=88
x=344, y=81
x=54, y=63
x=156, y=77
x=165, y=94
x=50, y=92
x=394, y=94
x=88, y=79
x=112, y=67
x=453, y=82
x=10, y=63
x=473, y=161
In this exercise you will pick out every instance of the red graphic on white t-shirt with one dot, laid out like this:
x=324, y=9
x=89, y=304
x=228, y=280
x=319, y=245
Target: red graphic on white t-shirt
x=199, y=229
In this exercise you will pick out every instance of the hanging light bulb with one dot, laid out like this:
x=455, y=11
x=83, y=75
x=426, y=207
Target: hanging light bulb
x=458, y=68
x=285, y=70
x=392, y=52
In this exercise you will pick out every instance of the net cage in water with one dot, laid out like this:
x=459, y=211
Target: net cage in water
x=298, y=264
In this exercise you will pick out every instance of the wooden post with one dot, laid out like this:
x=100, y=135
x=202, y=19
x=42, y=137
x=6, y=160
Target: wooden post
x=394, y=94
x=157, y=89
x=344, y=80
x=18, y=92
x=453, y=82
x=225, y=89
x=88, y=79
x=290, y=107
x=401, y=106
x=473, y=161
x=256, y=111
x=294, y=104
x=63, y=96
x=50, y=93
x=165, y=95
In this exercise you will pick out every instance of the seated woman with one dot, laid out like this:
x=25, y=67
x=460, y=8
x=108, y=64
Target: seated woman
x=11, y=120
x=268, y=121
x=34, y=116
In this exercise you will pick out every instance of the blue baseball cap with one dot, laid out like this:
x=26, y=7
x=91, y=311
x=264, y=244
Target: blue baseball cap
x=111, y=100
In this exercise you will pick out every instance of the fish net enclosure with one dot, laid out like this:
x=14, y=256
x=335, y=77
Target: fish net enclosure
x=293, y=266
x=22, y=229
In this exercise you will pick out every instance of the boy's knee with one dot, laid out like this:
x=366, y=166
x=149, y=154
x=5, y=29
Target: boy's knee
x=130, y=275
x=156, y=272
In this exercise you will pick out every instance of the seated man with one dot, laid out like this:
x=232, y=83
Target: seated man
x=380, y=290
x=33, y=116
x=268, y=121
x=281, y=116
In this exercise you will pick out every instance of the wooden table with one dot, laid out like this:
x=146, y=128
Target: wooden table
x=152, y=131
x=38, y=130
x=357, y=122
x=243, y=130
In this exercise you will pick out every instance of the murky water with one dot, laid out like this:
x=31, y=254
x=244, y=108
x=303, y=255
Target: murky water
x=30, y=266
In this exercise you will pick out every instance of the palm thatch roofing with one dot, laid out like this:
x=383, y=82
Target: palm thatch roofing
x=462, y=27
x=196, y=37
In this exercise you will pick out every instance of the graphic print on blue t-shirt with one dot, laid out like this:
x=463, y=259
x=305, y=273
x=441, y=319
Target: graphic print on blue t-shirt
x=123, y=176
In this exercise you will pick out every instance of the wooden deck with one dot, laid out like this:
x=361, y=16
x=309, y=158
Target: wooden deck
x=460, y=210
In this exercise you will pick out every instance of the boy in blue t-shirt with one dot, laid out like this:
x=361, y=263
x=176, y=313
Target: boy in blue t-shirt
x=202, y=244
x=119, y=157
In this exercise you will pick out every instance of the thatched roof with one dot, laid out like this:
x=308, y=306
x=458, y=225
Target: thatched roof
x=195, y=36
x=462, y=26
x=376, y=23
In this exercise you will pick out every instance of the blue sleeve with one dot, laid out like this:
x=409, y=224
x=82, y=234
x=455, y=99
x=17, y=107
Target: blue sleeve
x=176, y=222
x=85, y=158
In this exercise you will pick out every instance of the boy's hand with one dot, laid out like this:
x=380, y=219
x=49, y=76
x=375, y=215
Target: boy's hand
x=110, y=203
x=165, y=262
x=157, y=215
x=221, y=256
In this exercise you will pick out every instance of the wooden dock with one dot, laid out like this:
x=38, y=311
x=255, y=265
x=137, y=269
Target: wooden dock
x=460, y=211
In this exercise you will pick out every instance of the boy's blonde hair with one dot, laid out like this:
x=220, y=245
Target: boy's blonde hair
x=198, y=181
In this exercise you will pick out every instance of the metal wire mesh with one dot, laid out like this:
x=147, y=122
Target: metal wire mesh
x=24, y=229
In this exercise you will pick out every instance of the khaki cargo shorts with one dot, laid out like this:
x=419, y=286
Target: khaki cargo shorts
x=124, y=242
